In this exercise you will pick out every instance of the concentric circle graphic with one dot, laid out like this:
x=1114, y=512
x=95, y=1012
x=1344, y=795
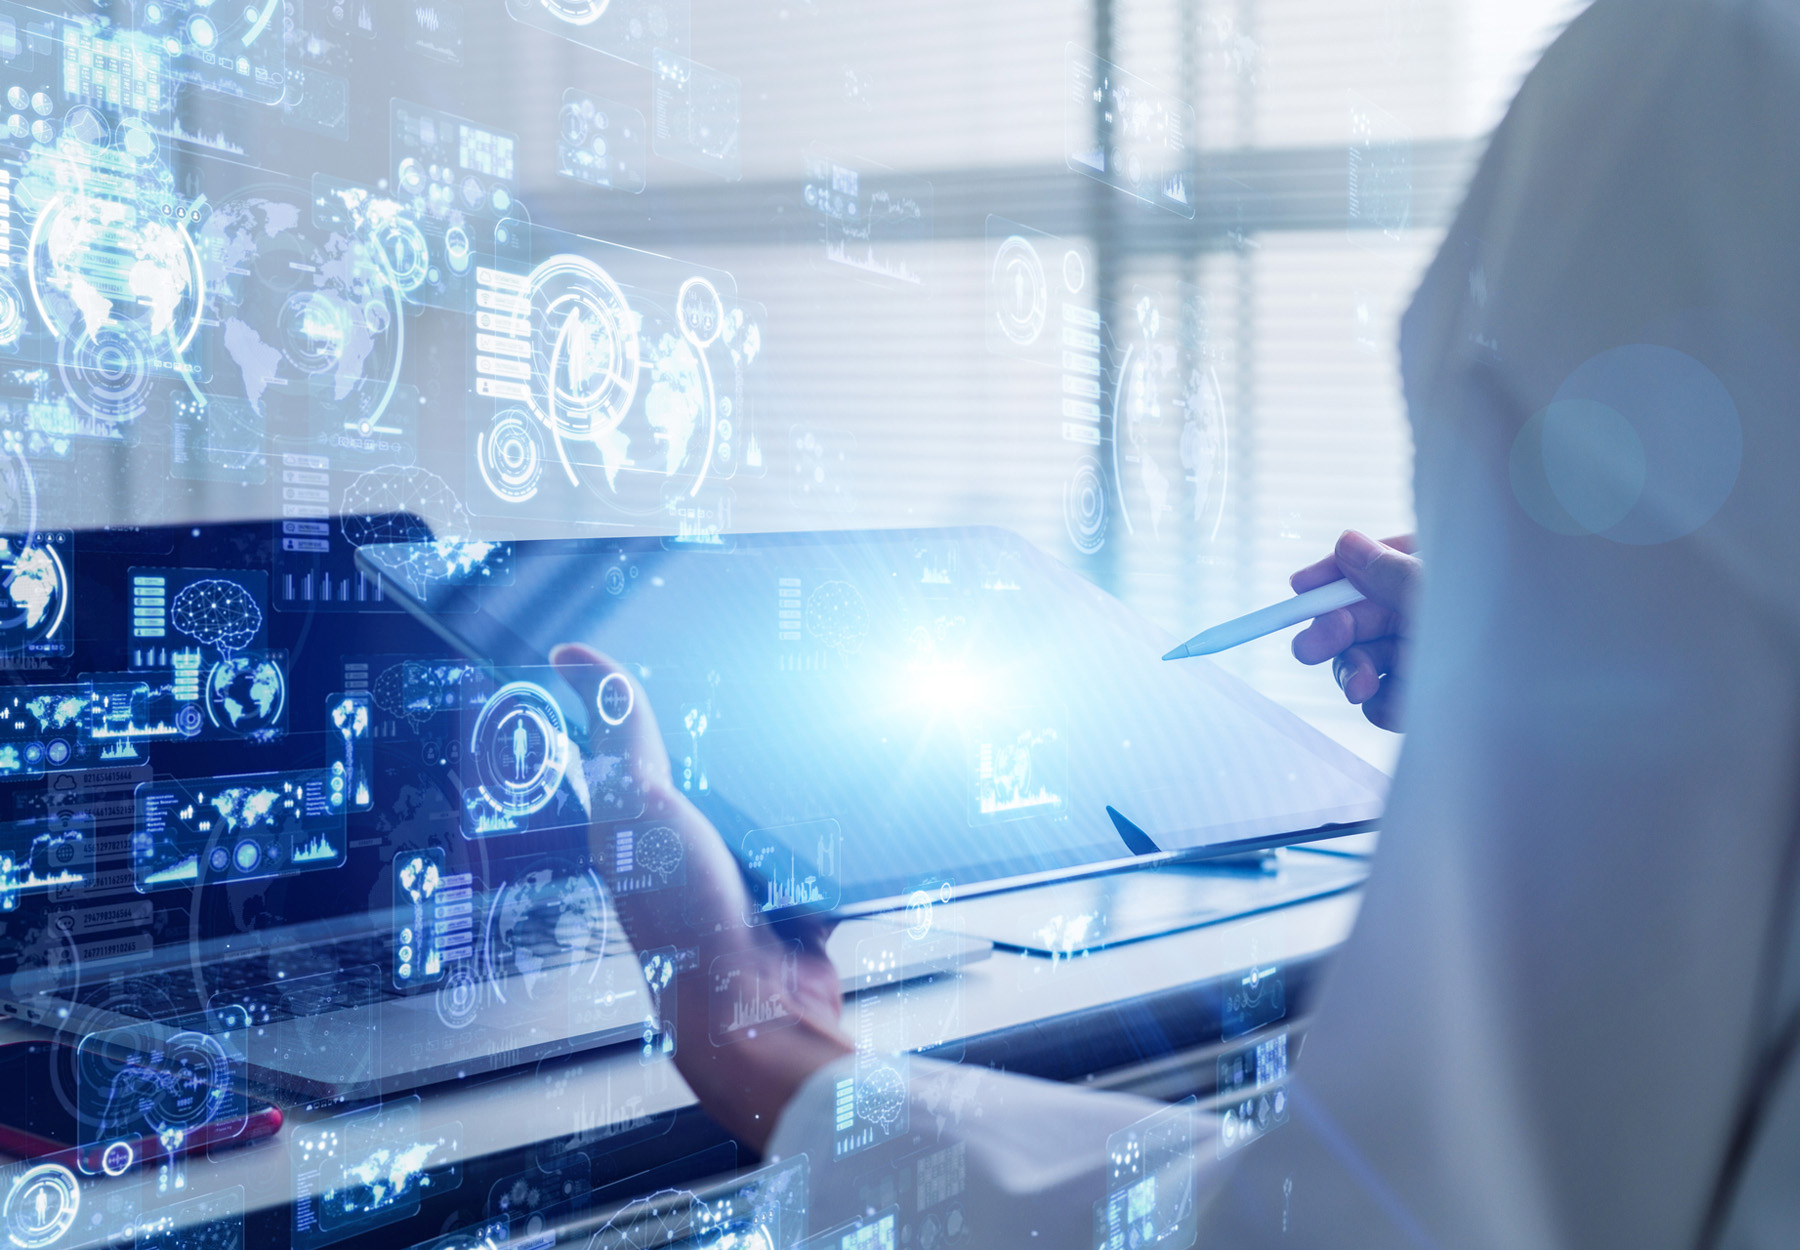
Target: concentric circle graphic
x=195, y=1082
x=584, y=348
x=12, y=313
x=459, y=998
x=1021, y=292
x=41, y=1206
x=520, y=748
x=107, y=371
x=614, y=698
x=701, y=312
x=400, y=244
x=576, y=12
x=511, y=455
x=1084, y=507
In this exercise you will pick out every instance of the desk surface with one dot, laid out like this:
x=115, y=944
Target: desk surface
x=613, y=1090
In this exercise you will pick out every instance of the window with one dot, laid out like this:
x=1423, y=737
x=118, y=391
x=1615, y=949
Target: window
x=1122, y=276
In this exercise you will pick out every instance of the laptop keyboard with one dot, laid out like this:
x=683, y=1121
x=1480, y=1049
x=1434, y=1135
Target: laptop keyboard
x=274, y=985
x=269, y=985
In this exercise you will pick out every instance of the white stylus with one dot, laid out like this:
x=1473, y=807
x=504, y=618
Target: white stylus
x=1302, y=607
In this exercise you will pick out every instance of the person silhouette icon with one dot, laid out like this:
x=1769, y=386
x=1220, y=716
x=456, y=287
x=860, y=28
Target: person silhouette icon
x=521, y=743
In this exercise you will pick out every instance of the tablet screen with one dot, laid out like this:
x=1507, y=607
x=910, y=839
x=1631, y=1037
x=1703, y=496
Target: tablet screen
x=867, y=714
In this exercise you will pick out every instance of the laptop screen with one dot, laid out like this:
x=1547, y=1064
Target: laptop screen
x=867, y=714
x=218, y=732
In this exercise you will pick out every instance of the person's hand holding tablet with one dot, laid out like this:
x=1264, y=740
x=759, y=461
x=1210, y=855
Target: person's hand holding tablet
x=746, y=1084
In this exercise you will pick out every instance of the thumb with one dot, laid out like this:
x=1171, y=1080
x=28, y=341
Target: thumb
x=1386, y=576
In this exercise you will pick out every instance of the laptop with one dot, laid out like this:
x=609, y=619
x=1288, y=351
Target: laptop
x=235, y=794
x=222, y=813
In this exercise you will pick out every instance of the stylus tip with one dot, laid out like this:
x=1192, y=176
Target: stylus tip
x=1177, y=653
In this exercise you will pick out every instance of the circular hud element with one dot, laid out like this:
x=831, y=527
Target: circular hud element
x=576, y=12
x=1021, y=293
x=584, y=348
x=520, y=749
x=1084, y=507
x=701, y=311
x=107, y=372
x=41, y=1206
x=511, y=456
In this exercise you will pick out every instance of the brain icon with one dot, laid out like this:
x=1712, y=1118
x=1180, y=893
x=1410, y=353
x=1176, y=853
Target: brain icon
x=668, y=1217
x=418, y=510
x=660, y=850
x=416, y=692
x=217, y=612
x=837, y=616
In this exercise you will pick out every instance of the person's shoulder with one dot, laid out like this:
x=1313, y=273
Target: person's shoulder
x=1623, y=62
x=1636, y=27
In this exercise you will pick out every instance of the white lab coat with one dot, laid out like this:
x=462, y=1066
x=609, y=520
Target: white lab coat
x=1573, y=955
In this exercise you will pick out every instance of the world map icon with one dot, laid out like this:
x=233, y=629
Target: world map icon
x=217, y=612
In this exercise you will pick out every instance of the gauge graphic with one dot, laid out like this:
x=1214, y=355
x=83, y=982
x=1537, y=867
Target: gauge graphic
x=194, y=1083
x=584, y=348
x=701, y=311
x=511, y=455
x=520, y=748
x=41, y=1206
x=576, y=12
x=1021, y=293
x=12, y=313
x=107, y=371
x=399, y=243
x=1084, y=507
x=459, y=998
x=614, y=698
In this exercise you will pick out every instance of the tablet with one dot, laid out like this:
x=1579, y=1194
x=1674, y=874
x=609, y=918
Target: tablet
x=870, y=714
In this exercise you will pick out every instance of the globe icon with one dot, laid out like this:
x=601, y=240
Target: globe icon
x=246, y=695
x=548, y=921
x=32, y=594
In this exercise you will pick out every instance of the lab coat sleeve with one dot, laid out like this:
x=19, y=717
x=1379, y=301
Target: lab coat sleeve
x=1033, y=1153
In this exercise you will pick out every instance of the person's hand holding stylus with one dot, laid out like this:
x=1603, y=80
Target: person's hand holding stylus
x=1365, y=642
